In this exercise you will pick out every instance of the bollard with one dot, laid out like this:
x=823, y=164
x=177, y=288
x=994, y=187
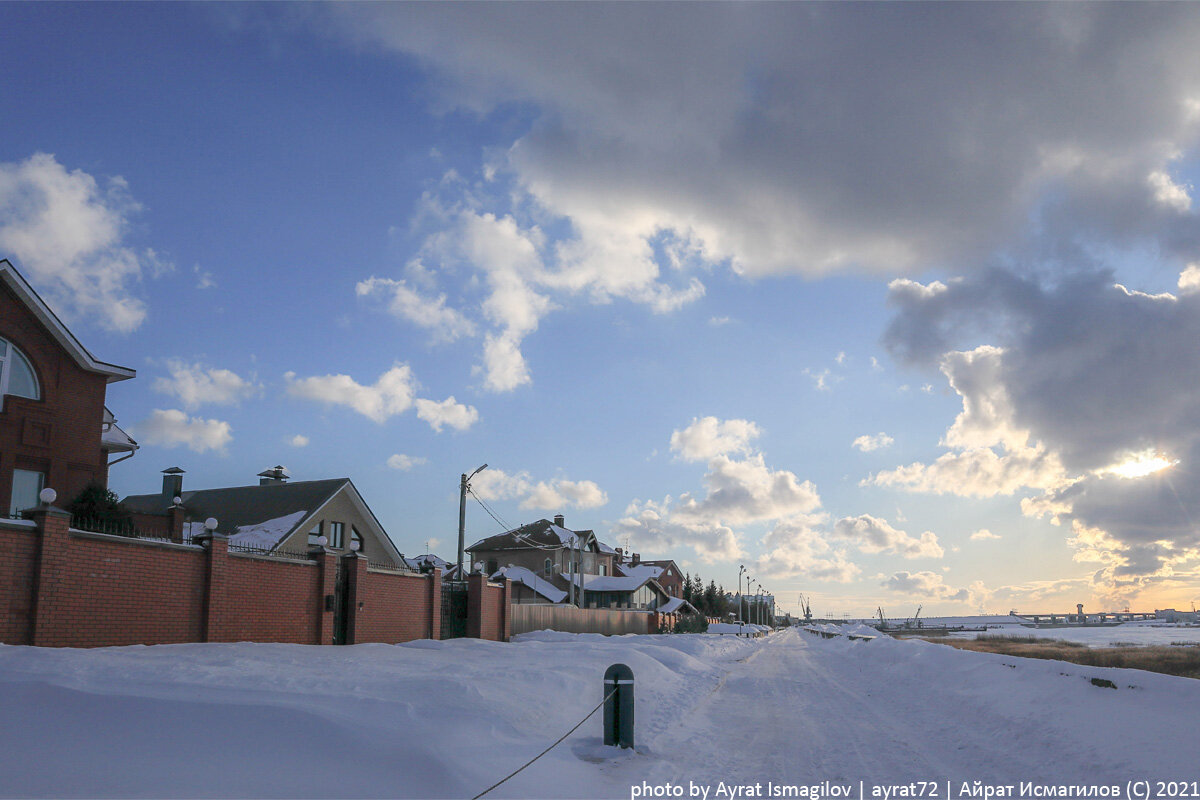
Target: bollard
x=618, y=709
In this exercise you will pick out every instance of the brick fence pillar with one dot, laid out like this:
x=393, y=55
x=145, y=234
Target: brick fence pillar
x=53, y=526
x=435, y=604
x=175, y=523
x=356, y=577
x=216, y=612
x=327, y=566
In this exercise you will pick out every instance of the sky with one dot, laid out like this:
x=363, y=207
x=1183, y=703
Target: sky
x=890, y=304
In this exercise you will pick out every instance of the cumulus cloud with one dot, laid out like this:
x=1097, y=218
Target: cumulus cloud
x=1083, y=399
x=404, y=463
x=553, y=494
x=983, y=535
x=868, y=443
x=392, y=394
x=874, y=535
x=196, y=385
x=68, y=233
x=931, y=585
x=299, y=440
x=172, y=428
x=448, y=412
x=799, y=548
x=407, y=303
x=709, y=437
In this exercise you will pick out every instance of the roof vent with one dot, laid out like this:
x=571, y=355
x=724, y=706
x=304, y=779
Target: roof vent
x=275, y=476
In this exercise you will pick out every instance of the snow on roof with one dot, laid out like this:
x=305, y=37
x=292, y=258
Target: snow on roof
x=533, y=581
x=266, y=534
x=609, y=583
x=673, y=605
x=643, y=571
x=112, y=438
x=603, y=548
x=416, y=562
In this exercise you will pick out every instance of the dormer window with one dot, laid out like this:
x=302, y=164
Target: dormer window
x=16, y=374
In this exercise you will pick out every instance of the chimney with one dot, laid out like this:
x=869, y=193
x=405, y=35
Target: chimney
x=636, y=558
x=172, y=483
x=560, y=520
x=275, y=476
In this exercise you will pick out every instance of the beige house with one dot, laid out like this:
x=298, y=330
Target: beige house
x=277, y=515
x=547, y=549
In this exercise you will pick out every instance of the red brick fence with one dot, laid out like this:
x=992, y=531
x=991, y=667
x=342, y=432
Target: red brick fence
x=66, y=588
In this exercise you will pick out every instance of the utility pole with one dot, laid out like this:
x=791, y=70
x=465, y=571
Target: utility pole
x=463, y=485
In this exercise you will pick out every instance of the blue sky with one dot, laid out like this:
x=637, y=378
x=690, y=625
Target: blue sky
x=895, y=305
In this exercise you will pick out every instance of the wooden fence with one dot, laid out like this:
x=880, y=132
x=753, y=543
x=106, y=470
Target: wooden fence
x=533, y=617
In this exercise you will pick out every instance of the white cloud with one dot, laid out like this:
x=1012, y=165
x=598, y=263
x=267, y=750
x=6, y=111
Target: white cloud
x=983, y=535
x=405, y=302
x=67, y=233
x=196, y=385
x=504, y=365
x=932, y=586
x=172, y=428
x=299, y=440
x=1189, y=279
x=1168, y=193
x=874, y=535
x=391, y=394
x=404, y=463
x=868, y=443
x=708, y=437
x=554, y=494
x=448, y=412
x=799, y=548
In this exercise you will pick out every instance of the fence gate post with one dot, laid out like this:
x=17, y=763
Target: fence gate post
x=618, y=708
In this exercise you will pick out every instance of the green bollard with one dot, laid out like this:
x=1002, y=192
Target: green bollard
x=618, y=709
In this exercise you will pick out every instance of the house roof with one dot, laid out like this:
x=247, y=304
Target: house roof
x=614, y=583
x=264, y=516
x=416, y=562
x=533, y=581
x=641, y=570
x=21, y=288
x=677, y=605
x=112, y=438
x=540, y=535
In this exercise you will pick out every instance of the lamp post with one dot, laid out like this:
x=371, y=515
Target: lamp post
x=741, y=569
x=463, y=485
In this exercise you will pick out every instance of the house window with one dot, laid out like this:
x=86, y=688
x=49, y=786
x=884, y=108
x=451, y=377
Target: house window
x=16, y=374
x=26, y=485
x=492, y=566
x=336, y=535
x=355, y=537
x=549, y=567
x=316, y=532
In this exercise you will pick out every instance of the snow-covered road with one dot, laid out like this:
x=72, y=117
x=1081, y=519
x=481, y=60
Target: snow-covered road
x=446, y=719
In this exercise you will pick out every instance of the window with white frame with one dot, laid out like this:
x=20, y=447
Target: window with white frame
x=16, y=373
x=316, y=533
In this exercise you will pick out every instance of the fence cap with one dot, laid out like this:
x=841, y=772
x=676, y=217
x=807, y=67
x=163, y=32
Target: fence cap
x=618, y=672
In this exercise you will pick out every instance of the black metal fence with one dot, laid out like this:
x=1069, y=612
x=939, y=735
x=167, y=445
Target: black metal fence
x=454, y=609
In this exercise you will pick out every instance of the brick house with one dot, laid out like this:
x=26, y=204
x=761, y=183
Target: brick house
x=276, y=516
x=54, y=427
x=665, y=571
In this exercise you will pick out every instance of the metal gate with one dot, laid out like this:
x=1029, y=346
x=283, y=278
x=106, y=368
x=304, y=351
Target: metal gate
x=341, y=603
x=454, y=609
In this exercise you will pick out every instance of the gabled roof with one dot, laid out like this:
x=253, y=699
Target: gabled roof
x=677, y=605
x=25, y=293
x=615, y=583
x=112, y=438
x=540, y=535
x=641, y=570
x=261, y=513
x=427, y=559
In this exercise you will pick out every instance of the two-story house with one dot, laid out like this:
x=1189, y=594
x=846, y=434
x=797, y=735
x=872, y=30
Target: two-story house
x=54, y=428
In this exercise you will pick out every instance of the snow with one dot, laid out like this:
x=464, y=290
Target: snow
x=533, y=581
x=642, y=571
x=266, y=534
x=607, y=583
x=1130, y=633
x=447, y=719
x=672, y=605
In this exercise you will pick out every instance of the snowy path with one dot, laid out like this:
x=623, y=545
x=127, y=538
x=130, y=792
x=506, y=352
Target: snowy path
x=799, y=711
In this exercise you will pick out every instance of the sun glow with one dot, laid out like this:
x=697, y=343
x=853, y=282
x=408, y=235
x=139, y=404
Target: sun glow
x=1139, y=465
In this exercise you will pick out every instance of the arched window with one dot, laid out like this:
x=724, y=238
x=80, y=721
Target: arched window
x=548, y=567
x=16, y=374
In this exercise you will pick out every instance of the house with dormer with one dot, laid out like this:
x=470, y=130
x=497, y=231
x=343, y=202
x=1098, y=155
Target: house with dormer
x=55, y=429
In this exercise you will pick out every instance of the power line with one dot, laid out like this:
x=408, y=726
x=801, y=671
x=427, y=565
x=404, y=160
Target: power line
x=504, y=525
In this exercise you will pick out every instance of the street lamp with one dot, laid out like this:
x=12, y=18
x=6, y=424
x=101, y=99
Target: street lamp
x=463, y=485
x=741, y=569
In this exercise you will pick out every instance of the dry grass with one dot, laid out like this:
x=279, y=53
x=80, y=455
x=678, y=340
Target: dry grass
x=1182, y=661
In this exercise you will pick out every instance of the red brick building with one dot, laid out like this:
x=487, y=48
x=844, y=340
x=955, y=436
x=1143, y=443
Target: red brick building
x=54, y=428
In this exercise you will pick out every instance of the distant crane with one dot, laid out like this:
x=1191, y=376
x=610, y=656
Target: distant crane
x=915, y=622
x=882, y=620
x=806, y=608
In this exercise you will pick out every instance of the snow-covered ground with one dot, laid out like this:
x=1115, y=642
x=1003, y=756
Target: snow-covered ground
x=447, y=719
x=1129, y=633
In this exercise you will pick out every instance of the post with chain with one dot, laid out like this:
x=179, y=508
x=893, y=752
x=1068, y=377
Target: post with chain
x=618, y=706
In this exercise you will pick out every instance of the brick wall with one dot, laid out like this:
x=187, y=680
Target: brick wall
x=61, y=587
x=489, y=609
